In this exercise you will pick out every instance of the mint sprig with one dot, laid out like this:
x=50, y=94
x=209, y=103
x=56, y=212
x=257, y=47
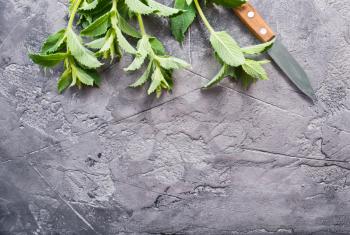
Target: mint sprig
x=160, y=66
x=65, y=45
x=233, y=58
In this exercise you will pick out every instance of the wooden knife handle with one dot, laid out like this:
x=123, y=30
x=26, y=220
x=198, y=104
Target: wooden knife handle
x=249, y=15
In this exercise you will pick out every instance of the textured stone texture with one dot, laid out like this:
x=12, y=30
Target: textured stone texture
x=221, y=161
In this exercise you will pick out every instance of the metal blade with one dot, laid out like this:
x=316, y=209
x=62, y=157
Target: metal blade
x=291, y=68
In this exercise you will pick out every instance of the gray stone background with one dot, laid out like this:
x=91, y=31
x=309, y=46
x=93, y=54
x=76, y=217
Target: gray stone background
x=224, y=161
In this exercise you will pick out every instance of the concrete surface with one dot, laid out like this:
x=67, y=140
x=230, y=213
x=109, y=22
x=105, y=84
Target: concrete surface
x=224, y=161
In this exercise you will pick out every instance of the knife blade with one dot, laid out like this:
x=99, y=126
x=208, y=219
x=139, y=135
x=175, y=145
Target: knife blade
x=279, y=54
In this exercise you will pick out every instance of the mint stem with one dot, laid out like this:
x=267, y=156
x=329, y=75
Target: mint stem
x=114, y=6
x=204, y=19
x=74, y=11
x=142, y=26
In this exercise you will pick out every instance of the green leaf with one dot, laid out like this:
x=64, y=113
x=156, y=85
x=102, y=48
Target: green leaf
x=126, y=28
x=81, y=53
x=53, y=42
x=157, y=78
x=227, y=48
x=123, y=43
x=96, y=44
x=254, y=69
x=82, y=76
x=98, y=27
x=232, y=72
x=189, y=2
x=143, y=47
x=218, y=77
x=162, y=10
x=138, y=7
x=257, y=49
x=181, y=23
x=95, y=76
x=109, y=41
x=144, y=77
x=229, y=3
x=172, y=62
x=87, y=6
x=157, y=46
x=246, y=80
x=64, y=81
x=48, y=60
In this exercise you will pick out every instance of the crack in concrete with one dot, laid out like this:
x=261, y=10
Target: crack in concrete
x=247, y=95
x=62, y=198
x=291, y=156
x=5, y=162
x=113, y=122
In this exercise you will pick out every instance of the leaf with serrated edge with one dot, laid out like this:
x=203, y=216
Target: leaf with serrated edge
x=181, y=22
x=49, y=60
x=162, y=10
x=142, y=51
x=64, y=81
x=254, y=69
x=157, y=46
x=79, y=52
x=257, y=49
x=53, y=42
x=126, y=28
x=108, y=42
x=172, y=62
x=86, y=6
x=83, y=77
x=218, y=77
x=98, y=27
x=123, y=43
x=227, y=48
x=157, y=78
x=138, y=7
x=96, y=44
x=229, y=3
x=144, y=77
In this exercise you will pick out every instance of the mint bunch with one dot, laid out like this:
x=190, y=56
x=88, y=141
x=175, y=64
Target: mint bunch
x=99, y=30
x=235, y=61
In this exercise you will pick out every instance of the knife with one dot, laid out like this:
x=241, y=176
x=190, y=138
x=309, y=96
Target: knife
x=279, y=54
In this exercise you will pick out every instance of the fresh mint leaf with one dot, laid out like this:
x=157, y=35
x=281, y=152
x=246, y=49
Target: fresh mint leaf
x=145, y=76
x=218, y=77
x=139, y=7
x=126, y=28
x=65, y=80
x=53, y=42
x=98, y=27
x=81, y=53
x=162, y=10
x=169, y=62
x=87, y=6
x=258, y=49
x=229, y=3
x=96, y=44
x=157, y=46
x=123, y=43
x=227, y=48
x=254, y=69
x=157, y=80
x=50, y=60
x=181, y=22
x=143, y=48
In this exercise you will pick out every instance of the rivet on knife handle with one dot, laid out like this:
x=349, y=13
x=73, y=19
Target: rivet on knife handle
x=254, y=22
